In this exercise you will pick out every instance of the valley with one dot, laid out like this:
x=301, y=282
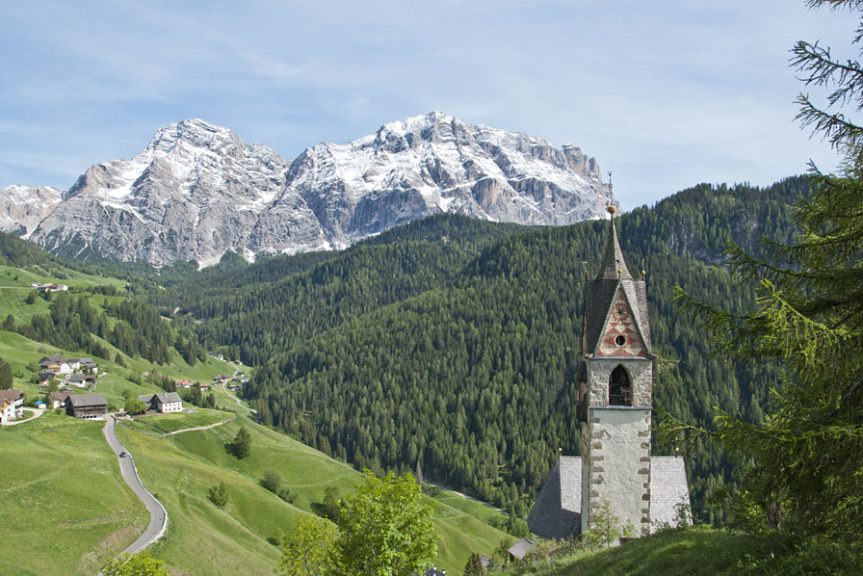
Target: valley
x=67, y=487
x=341, y=377
x=260, y=314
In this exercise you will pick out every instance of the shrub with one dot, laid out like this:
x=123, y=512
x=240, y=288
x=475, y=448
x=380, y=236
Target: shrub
x=218, y=495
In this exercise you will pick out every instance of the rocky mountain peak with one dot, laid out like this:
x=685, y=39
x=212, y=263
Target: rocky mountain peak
x=197, y=190
x=23, y=207
x=194, y=134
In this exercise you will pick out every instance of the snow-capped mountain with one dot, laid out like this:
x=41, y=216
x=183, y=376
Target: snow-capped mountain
x=197, y=191
x=435, y=163
x=23, y=207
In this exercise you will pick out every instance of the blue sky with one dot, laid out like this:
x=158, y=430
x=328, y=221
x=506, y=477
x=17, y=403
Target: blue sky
x=665, y=93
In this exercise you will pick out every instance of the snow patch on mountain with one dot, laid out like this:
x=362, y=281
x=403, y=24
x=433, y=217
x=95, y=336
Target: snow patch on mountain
x=197, y=191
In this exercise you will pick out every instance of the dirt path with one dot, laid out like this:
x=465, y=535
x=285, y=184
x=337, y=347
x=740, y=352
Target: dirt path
x=196, y=428
x=36, y=414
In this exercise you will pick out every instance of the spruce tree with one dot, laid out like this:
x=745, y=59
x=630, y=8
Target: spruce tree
x=242, y=444
x=806, y=459
x=6, y=380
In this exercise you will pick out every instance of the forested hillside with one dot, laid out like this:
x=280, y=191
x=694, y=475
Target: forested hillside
x=453, y=342
x=87, y=317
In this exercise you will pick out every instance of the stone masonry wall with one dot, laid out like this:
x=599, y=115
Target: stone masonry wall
x=640, y=377
x=617, y=466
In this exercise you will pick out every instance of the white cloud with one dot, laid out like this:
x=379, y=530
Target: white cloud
x=665, y=93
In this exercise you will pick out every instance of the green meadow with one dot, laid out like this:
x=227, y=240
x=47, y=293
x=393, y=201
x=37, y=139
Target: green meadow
x=72, y=510
x=65, y=507
x=203, y=539
x=702, y=551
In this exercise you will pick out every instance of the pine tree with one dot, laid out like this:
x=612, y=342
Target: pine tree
x=218, y=494
x=241, y=445
x=806, y=458
x=6, y=379
x=474, y=565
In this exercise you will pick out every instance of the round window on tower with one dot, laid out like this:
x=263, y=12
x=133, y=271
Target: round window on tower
x=620, y=340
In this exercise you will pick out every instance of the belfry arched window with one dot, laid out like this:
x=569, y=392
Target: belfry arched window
x=619, y=389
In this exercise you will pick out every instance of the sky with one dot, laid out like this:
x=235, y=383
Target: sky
x=666, y=94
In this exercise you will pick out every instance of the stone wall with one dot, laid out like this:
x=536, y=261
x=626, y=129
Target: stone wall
x=617, y=465
x=640, y=373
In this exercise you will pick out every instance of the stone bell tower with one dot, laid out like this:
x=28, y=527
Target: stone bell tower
x=615, y=385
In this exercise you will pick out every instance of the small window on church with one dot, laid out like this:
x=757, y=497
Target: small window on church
x=619, y=390
x=620, y=340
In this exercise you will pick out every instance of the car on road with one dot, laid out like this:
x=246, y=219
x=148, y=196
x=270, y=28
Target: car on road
x=123, y=454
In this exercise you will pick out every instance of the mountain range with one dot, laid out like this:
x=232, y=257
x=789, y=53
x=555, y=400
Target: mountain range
x=198, y=191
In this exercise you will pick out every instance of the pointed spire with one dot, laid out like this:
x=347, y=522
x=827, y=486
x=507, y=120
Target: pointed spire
x=613, y=265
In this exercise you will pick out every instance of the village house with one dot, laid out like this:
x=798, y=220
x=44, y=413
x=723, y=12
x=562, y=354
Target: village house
x=50, y=287
x=165, y=403
x=89, y=406
x=88, y=366
x=77, y=371
x=11, y=405
x=519, y=550
x=75, y=379
x=58, y=399
x=52, y=364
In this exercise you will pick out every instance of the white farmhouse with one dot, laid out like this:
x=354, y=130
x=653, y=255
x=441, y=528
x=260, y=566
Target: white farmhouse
x=11, y=405
x=167, y=402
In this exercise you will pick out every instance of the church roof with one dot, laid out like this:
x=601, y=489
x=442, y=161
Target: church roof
x=613, y=264
x=599, y=294
x=668, y=490
x=557, y=511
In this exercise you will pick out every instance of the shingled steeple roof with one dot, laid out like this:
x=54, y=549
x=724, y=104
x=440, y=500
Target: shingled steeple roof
x=599, y=294
x=613, y=264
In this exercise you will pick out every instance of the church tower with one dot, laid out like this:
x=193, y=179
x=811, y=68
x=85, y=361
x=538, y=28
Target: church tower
x=615, y=386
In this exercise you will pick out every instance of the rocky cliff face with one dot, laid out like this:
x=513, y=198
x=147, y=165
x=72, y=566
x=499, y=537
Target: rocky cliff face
x=198, y=191
x=194, y=193
x=23, y=207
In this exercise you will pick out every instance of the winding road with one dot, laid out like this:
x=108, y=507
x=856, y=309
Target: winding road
x=158, y=515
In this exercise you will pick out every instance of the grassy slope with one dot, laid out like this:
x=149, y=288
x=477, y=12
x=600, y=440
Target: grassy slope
x=702, y=551
x=65, y=506
x=181, y=468
x=201, y=539
x=24, y=354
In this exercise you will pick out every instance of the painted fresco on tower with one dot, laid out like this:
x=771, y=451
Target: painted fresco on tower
x=620, y=336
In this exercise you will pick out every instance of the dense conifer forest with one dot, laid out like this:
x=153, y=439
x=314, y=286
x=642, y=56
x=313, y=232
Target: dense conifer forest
x=453, y=342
